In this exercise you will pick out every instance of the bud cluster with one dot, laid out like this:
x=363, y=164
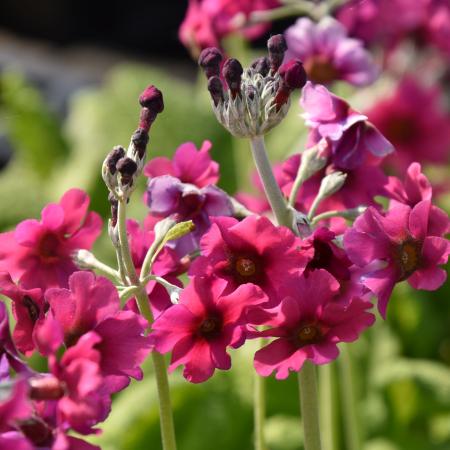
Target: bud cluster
x=253, y=100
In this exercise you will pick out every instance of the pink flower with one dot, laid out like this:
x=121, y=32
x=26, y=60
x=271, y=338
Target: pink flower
x=14, y=406
x=39, y=252
x=207, y=22
x=251, y=251
x=328, y=54
x=413, y=119
x=199, y=329
x=415, y=188
x=92, y=304
x=352, y=139
x=28, y=307
x=309, y=325
x=188, y=164
x=408, y=241
x=167, y=265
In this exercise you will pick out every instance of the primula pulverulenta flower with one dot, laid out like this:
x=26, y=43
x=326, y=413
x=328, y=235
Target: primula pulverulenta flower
x=28, y=307
x=251, y=251
x=353, y=141
x=408, y=240
x=413, y=190
x=188, y=164
x=328, y=54
x=199, y=329
x=309, y=325
x=39, y=252
x=168, y=196
x=167, y=265
x=416, y=123
x=14, y=406
x=92, y=304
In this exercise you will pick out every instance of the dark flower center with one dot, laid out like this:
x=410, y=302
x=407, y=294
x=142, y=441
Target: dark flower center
x=48, y=247
x=308, y=333
x=210, y=327
x=37, y=431
x=32, y=308
x=245, y=266
x=322, y=255
x=408, y=257
x=321, y=70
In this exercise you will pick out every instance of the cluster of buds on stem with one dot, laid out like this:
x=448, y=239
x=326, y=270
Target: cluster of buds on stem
x=122, y=167
x=253, y=100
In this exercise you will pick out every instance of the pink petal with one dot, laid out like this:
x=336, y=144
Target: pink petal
x=428, y=279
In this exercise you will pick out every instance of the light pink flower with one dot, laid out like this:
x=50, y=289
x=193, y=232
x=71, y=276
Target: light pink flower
x=352, y=140
x=39, y=252
x=207, y=22
x=188, y=164
x=328, y=54
x=309, y=325
x=199, y=329
x=408, y=240
x=416, y=123
x=251, y=251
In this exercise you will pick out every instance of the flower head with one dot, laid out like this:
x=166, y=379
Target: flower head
x=39, y=253
x=408, y=240
x=328, y=54
x=309, y=325
x=199, y=329
x=251, y=251
x=352, y=139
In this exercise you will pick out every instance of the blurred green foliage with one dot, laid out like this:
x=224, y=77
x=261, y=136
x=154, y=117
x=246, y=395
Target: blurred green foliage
x=401, y=367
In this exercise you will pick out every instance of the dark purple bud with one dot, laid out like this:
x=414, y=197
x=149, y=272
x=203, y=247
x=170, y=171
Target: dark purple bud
x=114, y=155
x=140, y=140
x=209, y=60
x=293, y=74
x=114, y=208
x=37, y=431
x=277, y=47
x=232, y=72
x=152, y=99
x=215, y=88
x=127, y=168
x=46, y=388
x=261, y=65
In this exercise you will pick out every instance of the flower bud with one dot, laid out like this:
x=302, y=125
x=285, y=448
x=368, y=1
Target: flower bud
x=152, y=99
x=114, y=155
x=331, y=184
x=277, y=47
x=209, y=60
x=139, y=139
x=127, y=168
x=232, y=72
x=215, y=88
x=313, y=160
x=46, y=388
x=261, y=65
x=293, y=74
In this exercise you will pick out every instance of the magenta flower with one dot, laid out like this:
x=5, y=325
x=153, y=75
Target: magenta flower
x=199, y=329
x=39, y=252
x=92, y=304
x=207, y=22
x=15, y=406
x=413, y=119
x=352, y=139
x=251, y=251
x=415, y=188
x=309, y=325
x=328, y=54
x=28, y=307
x=408, y=240
x=188, y=164
x=168, y=196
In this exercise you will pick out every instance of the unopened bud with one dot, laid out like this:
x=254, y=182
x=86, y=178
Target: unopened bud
x=152, y=99
x=261, y=65
x=215, y=88
x=313, y=159
x=127, y=168
x=139, y=140
x=293, y=76
x=114, y=155
x=277, y=47
x=46, y=388
x=209, y=60
x=232, y=72
x=331, y=184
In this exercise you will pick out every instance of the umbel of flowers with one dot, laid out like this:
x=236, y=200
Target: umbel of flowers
x=300, y=272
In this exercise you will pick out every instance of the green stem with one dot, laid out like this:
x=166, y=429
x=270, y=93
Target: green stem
x=159, y=364
x=259, y=411
x=328, y=406
x=310, y=410
x=349, y=409
x=271, y=188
